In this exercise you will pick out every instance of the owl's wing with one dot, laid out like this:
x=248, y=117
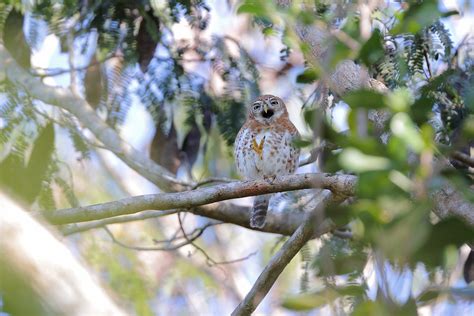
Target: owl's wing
x=292, y=130
x=294, y=150
x=243, y=153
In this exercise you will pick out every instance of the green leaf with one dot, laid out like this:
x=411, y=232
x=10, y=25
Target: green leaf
x=403, y=127
x=300, y=142
x=449, y=13
x=354, y=160
x=306, y=17
x=399, y=100
x=428, y=295
x=445, y=233
x=372, y=50
x=370, y=308
x=418, y=16
x=351, y=290
x=257, y=8
x=310, y=301
x=372, y=184
x=269, y=31
x=399, y=231
x=308, y=76
x=340, y=52
x=349, y=264
x=367, y=99
x=397, y=151
x=340, y=215
x=422, y=110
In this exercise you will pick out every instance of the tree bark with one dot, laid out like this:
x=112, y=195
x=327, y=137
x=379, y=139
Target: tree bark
x=31, y=253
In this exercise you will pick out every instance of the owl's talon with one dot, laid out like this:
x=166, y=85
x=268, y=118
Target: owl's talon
x=269, y=179
x=258, y=148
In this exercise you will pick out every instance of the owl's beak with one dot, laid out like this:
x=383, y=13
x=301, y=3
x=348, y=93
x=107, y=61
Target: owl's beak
x=267, y=111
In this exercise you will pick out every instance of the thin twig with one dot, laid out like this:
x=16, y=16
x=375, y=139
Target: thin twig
x=313, y=155
x=73, y=126
x=175, y=236
x=344, y=234
x=188, y=241
x=280, y=260
x=53, y=72
x=79, y=107
x=73, y=77
x=425, y=53
x=209, y=261
x=213, y=180
x=82, y=227
x=309, y=97
x=280, y=240
x=461, y=44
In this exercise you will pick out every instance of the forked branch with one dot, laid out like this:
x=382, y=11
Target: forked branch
x=339, y=184
x=310, y=228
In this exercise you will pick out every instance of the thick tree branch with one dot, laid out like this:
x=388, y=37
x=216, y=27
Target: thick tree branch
x=280, y=260
x=448, y=202
x=31, y=253
x=201, y=202
x=462, y=157
x=282, y=223
x=66, y=99
x=339, y=184
x=320, y=37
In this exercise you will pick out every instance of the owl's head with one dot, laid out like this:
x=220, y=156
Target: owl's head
x=267, y=108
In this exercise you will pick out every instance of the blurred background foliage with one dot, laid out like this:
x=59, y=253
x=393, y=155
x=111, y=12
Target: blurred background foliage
x=193, y=80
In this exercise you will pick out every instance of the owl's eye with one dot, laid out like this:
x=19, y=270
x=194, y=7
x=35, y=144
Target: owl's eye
x=274, y=102
x=256, y=107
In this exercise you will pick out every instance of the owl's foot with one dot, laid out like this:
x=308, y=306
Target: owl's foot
x=269, y=179
x=258, y=148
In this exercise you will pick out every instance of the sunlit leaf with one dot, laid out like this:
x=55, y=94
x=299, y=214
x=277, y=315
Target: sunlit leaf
x=354, y=160
x=370, y=308
x=368, y=99
x=403, y=127
x=257, y=8
x=399, y=100
x=308, y=76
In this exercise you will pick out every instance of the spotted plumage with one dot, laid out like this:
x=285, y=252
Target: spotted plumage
x=264, y=148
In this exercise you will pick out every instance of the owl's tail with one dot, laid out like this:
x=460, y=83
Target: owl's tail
x=259, y=211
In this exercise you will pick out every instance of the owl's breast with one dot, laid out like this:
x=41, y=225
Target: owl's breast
x=279, y=156
x=265, y=153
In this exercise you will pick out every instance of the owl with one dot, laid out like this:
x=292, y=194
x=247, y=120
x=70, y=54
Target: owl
x=264, y=148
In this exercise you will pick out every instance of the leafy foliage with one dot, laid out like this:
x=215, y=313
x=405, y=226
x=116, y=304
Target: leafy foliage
x=426, y=108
